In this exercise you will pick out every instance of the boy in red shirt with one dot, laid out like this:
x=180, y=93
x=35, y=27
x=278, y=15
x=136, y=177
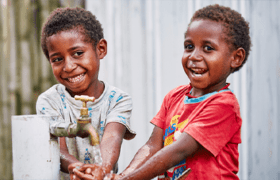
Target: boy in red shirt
x=198, y=125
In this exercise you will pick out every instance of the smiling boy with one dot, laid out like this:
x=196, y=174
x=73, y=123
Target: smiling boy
x=198, y=125
x=72, y=40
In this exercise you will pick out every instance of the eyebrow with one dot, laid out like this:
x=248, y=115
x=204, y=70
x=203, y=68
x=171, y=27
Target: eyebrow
x=204, y=42
x=75, y=47
x=54, y=54
x=209, y=42
x=187, y=41
x=71, y=49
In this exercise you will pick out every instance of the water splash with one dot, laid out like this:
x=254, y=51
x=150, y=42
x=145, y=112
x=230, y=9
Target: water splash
x=97, y=155
x=109, y=177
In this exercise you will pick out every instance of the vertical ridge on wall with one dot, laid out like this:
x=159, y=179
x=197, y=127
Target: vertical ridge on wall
x=22, y=65
x=150, y=65
x=158, y=60
x=244, y=110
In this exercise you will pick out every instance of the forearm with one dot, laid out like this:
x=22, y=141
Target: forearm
x=111, y=145
x=110, y=152
x=153, y=145
x=139, y=159
x=154, y=166
x=65, y=158
x=162, y=161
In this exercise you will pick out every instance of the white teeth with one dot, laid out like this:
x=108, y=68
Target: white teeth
x=197, y=74
x=76, y=79
x=197, y=71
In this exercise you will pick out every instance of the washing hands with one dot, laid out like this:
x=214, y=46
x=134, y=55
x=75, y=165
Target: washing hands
x=93, y=171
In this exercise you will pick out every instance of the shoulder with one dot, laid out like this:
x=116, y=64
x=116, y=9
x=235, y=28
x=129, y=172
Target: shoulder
x=225, y=100
x=176, y=93
x=51, y=99
x=53, y=92
x=115, y=93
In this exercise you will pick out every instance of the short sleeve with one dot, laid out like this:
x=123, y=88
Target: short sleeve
x=171, y=98
x=214, y=126
x=159, y=119
x=121, y=112
x=46, y=106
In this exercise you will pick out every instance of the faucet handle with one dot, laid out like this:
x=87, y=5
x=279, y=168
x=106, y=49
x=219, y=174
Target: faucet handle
x=84, y=99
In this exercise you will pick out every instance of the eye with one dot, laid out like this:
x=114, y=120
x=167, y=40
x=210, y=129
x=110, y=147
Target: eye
x=78, y=53
x=189, y=46
x=56, y=60
x=208, y=48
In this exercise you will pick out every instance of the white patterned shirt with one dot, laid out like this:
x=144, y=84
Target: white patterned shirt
x=113, y=105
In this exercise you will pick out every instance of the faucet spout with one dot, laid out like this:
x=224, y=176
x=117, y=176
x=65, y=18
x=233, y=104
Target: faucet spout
x=93, y=135
x=83, y=128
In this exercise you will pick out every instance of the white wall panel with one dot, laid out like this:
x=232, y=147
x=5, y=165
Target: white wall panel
x=145, y=46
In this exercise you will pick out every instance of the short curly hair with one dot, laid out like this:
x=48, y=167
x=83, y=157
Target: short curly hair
x=236, y=29
x=63, y=19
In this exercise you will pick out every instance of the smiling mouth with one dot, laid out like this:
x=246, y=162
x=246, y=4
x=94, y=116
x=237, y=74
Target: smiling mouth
x=198, y=71
x=76, y=78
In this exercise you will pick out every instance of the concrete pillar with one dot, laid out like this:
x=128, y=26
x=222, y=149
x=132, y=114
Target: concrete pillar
x=35, y=153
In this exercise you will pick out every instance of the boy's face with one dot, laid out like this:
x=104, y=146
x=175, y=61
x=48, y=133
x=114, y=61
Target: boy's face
x=207, y=56
x=75, y=63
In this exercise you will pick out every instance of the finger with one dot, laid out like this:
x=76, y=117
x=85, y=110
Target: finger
x=88, y=171
x=86, y=166
x=97, y=174
x=90, y=166
x=76, y=178
x=74, y=165
x=82, y=175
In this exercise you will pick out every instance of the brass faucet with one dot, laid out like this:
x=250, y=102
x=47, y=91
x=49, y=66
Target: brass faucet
x=83, y=128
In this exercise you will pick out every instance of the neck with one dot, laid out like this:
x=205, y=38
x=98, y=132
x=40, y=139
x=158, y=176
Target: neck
x=200, y=92
x=95, y=90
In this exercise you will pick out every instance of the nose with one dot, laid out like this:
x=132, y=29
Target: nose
x=195, y=55
x=69, y=65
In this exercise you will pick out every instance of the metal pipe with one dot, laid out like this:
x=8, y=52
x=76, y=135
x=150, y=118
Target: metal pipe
x=83, y=128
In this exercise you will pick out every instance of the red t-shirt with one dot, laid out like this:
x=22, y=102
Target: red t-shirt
x=214, y=121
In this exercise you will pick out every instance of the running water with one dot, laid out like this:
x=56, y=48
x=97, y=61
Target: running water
x=97, y=155
x=98, y=159
x=108, y=177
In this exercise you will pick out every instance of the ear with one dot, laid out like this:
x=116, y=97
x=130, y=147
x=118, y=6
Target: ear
x=101, y=49
x=238, y=58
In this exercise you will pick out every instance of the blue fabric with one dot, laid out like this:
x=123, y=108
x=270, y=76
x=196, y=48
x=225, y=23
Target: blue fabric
x=201, y=98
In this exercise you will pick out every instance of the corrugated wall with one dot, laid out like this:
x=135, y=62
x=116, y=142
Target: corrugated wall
x=145, y=46
x=145, y=40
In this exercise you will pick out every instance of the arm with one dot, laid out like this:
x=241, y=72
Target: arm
x=161, y=161
x=111, y=145
x=153, y=145
x=66, y=159
x=110, y=150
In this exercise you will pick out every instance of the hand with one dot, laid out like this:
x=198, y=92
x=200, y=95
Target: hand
x=89, y=172
x=73, y=166
x=113, y=176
